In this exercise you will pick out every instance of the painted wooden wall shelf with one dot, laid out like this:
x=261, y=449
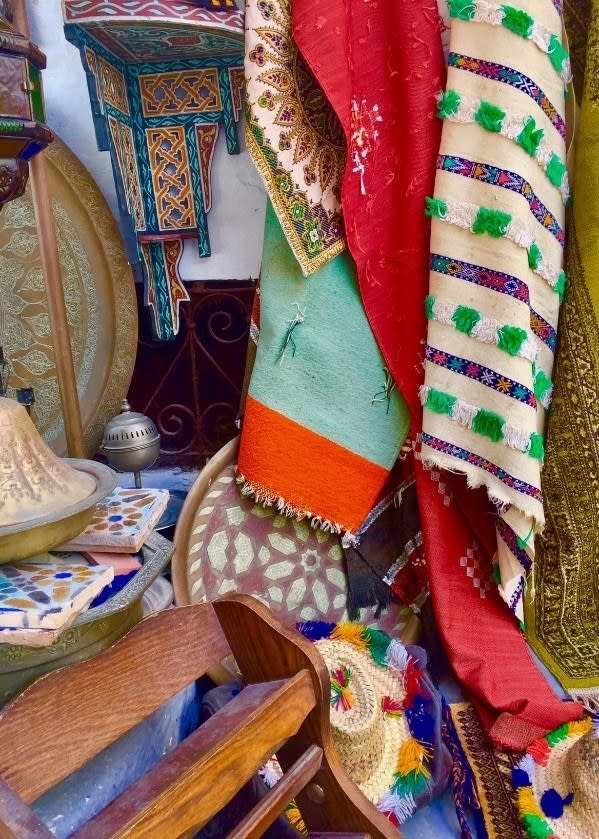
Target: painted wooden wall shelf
x=164, y=79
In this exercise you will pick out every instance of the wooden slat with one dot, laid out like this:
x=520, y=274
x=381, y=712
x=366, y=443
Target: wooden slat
x=66, y=718
x=17, y=821
x=265, y=648
x=339, y=836
x=260, y=818
x=201, y=775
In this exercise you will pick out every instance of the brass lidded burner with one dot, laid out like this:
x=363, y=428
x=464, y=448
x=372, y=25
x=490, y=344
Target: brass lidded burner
x=131, y=442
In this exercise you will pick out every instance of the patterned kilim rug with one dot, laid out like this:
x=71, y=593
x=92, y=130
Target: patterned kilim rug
x=496, y=264
x=562, y=618
x=293, y=136
x=492, y=772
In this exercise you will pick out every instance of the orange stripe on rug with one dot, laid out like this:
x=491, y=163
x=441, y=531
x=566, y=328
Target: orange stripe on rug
x=282, y=458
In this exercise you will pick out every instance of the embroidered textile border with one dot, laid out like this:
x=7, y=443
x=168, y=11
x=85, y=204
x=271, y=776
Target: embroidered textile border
x=484, y=375
x=499, y=282
x=510, y=539
x=482, y=463
x=492, y=771
x=517, y=80
x=485, y=173
x=283, y=195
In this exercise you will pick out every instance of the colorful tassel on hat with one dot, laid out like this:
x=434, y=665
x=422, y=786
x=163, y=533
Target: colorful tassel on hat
x=315, y=630
x=353, y=633
x=391, y=707
x=397, y=808
x=412, y=680
x=295, y=818
x=378, y=643
x=412, y=776
x=531, y=811
x=342, y=699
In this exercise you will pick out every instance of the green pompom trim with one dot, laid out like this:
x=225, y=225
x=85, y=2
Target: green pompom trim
x=439, y=402
x=530, y=137
x=536, y=449
x=536, y=827
x=496, y=574
x=489, y=424
x=449, y=102
x=435, y=207
x=560, y=285
x=542, y=385
x=462, y=9
x=558, y=55
x=429, y=302
x=534, y=256
x=465, y=319
x=555, y=170
x=489, y=116
x=517, y=21
x=511, y=339
x=492, y=222
x=558, y=734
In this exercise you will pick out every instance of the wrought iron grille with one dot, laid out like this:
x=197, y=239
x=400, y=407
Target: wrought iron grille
x=191, y=386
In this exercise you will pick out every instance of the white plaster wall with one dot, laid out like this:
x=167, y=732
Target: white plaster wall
x=235, y=223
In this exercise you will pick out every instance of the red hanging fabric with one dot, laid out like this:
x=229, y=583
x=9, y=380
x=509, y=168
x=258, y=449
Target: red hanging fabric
x=381, y=64
x=487, y=650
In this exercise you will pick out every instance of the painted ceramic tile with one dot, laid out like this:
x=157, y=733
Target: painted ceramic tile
x=122, y=522
x=30, y=637
x=48, y=595
x=120, y=563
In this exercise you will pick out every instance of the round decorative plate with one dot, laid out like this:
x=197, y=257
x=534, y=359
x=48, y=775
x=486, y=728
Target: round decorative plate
x=99, y=295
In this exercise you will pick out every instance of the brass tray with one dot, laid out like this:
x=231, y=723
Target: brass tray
x=99, y=293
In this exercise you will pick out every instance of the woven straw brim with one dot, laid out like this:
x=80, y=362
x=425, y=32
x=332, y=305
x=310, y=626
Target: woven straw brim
x=573, y=766
x=367, y=740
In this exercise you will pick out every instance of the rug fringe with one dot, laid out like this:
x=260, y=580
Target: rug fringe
x=267, y=499
x=589, y=697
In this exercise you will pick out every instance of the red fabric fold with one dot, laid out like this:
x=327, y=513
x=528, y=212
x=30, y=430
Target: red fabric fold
x=381, y=64
x=487, y=650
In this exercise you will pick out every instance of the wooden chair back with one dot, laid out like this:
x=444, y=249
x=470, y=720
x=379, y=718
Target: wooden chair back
x=283, y=709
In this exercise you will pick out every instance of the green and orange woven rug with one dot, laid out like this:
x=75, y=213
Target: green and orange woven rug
x=323, y=425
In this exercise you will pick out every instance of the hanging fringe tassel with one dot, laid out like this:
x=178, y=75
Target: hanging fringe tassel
x=263, y=496
x=391, y=707
x=397, y=808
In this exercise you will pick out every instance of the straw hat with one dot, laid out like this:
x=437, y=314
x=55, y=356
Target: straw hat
x=557, y=783
x=384, y=716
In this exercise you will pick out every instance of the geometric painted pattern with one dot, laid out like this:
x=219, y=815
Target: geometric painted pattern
x=114, y=91
x=206, y=134
x=240, y=546
x=185, y=92
x=80, y=11
x=152, y=42
x=122, y=138
x=169, y=162
x=237, y=85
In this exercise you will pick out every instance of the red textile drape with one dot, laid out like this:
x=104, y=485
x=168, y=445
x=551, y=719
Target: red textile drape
x=380, y=64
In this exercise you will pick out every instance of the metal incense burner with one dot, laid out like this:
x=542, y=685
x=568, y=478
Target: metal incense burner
x=131, y=442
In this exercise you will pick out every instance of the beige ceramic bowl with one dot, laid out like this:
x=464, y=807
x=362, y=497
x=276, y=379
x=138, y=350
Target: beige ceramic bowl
x=34, y=536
